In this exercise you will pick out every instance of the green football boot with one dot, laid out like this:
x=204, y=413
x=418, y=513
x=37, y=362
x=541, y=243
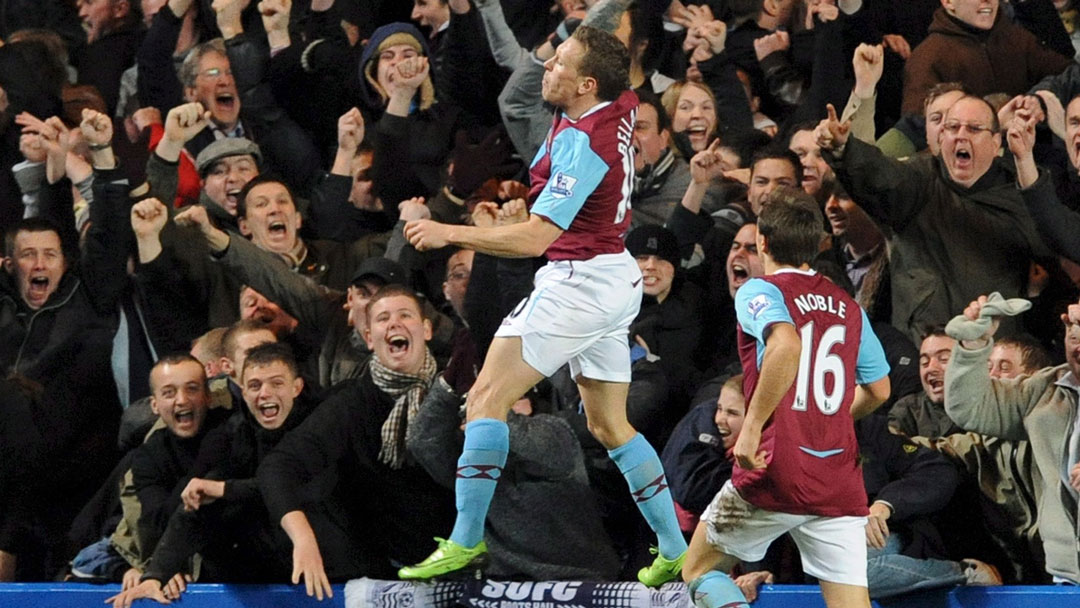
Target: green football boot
x=449, y=557
x=662, y=570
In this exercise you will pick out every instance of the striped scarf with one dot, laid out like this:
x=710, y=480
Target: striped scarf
x=409, y=391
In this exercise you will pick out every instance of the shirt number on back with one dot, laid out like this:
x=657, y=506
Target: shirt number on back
x=626, y=151
x=812, y=370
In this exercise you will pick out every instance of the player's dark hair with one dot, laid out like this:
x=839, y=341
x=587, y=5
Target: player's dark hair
x=270, y=353
x=606, y=60
x=777, y=152
x=791, y=223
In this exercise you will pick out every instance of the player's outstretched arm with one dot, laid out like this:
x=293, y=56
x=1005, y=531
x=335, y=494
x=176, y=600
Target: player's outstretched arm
x=779, y=365
x=869, y=396
x=522, y=240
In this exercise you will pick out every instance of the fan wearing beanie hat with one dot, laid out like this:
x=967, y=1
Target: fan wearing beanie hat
x=657, y=255
x=413, y=131
x=671, y=322
x=390, y=45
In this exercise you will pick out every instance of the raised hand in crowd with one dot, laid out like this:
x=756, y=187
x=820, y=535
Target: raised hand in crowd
x=972, y=313
x=715, y=35
x=197, y=217
x=1055, y=112
x=514, y=211
x=414, y=209
x=97, y=131
x=707, y=165
x=58, y=142
x=897, y=44
x=831, y=134
x=485, y=214
x=869, y=62
x=141, y=120
x=228, y=16
x=148, y=218
x=1021, y=139
x=275, y=19
x=31, y=147
x=776, y=42
x=405, y=78
x=1023, y=106
x=511, y=189
x=182, y=123
x=488, y=214
x=825, y=10
x=690, y=16
x=350, y=132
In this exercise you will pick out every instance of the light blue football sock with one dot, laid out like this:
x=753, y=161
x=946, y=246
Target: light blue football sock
x=487, y=441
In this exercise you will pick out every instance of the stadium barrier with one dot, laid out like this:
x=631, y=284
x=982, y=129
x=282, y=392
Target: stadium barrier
x=366, y=593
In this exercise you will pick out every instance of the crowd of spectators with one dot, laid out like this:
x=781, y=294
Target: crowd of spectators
x=218, y=345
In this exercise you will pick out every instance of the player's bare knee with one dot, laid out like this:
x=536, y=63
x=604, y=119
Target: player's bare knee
x=482, y=402
x=604, y=434
x=692, y=570
x=611, y=434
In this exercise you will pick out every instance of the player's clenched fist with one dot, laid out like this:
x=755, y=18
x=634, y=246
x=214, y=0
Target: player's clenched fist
x=426, y=234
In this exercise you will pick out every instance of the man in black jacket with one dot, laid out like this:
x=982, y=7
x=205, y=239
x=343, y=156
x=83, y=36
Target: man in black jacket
x=56, y=332
x=361, y=429
x=161, y=467
x=223, y=517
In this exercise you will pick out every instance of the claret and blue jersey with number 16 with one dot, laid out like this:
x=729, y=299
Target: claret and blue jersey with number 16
x=813, y=453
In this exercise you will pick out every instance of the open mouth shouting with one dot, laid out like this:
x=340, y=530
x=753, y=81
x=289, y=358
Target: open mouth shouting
x=698, y=134
x=186, y=422
x=232, y=199
x=277, y=229
x=38, y=290
x=935, y=384
x=267, y=413
x=398, y=343
x=738, y=273
x=226, y=102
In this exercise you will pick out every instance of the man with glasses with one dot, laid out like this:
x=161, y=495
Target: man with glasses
x=961, y=228
x=228, y=78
